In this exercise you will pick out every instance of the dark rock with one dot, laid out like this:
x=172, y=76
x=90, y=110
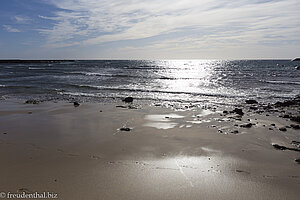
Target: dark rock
x=273, y=125
x=277, y=146
x=282, y=129
x=132, y=107
x=285, y=116
x=297, y=160
x=295, y=126
x=297, y=67
x=225, y=111
x=270, y=129
x=251, y=101
x=259, y=111
x=253, y=107
x=125, y=129
x=249, y=125
x=31, y=101
x=296, y=59
x=76, y=104
x=128, y=99
x=235, y=132
x=238, y=111
x=295, y=101
x=295, y=118
x=295, y=143
x=121, y=106
x=4, y=133
x=268, y=107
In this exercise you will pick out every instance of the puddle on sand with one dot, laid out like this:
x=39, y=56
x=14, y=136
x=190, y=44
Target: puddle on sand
x=163, y=118
x=204, y=113
x=160, y=125
x=163, y=121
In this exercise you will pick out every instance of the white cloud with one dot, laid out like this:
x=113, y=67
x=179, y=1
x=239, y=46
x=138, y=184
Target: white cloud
x=203, y=23
x=9, y=28
x=22, y=19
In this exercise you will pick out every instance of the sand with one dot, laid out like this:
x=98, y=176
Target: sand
x=81, y=153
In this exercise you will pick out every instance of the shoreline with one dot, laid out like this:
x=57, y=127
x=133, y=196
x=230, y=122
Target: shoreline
x=167, y=152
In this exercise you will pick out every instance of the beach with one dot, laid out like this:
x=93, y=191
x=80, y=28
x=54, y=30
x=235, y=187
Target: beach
x=149, y=150
x=150, y=100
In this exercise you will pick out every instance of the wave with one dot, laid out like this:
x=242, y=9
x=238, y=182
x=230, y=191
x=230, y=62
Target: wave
x=156, y=91
x=36, y=68
x=283, y=82
x=131, y=76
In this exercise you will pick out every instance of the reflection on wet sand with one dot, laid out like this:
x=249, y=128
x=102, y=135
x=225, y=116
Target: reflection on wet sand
x=164, y=121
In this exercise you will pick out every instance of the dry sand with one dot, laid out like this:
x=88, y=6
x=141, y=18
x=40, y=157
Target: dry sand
x=81, y=153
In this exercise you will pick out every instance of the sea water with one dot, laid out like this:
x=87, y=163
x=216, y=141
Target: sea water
x=219, y=81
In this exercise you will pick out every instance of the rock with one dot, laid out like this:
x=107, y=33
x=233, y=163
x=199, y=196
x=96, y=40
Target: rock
x=251, y=101
x=132, y=107
x=125, y=129
x=297, y=160
x=295, y=143
x=31, y=101
x=268, y=107
x=296, y=59
x=249, y=125
x=238, y=111
x=235, y=132
x=285, y=116
x=253, y=107
x=279, y=147
x=295, y=118
x=295, y=101
x=276, y=146
x=128, y=99
x=259, y=111
x=121, y=106
x=297, y=67
x=273, y=125
x=225, y=111
x=76, y=104
x=295, y=126
x=282, y=129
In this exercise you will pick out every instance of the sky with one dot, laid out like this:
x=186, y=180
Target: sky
x=152, y=29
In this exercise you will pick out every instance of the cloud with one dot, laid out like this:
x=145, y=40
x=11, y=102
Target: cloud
x=8, y=28
x=194, y=24
x=22, y=19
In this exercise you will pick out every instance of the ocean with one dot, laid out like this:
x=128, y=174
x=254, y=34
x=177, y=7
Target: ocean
x=187, y=81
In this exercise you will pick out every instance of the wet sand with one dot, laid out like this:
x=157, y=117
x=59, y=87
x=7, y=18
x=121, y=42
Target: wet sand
x=198, y=153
